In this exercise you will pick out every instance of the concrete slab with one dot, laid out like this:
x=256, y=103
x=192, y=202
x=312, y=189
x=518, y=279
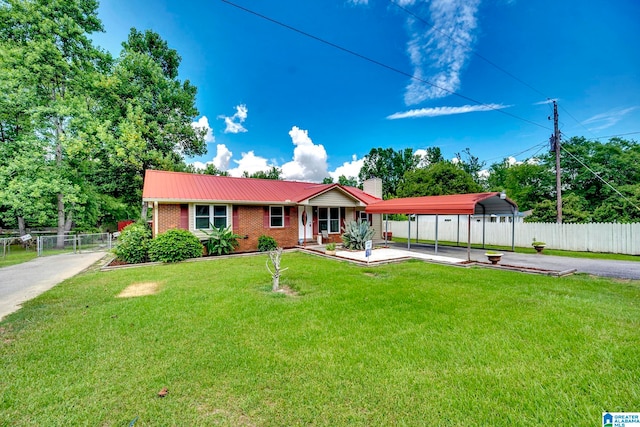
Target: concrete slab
x=22, y=282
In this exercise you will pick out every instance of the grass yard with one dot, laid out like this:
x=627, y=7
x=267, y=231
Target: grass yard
x=16, y=254
x=401, y=344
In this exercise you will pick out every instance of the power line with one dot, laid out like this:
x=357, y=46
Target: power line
x=539, y=146
x=381, y=64
x=600, y=178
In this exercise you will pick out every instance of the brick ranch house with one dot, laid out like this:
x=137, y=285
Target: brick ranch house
x=288, y=211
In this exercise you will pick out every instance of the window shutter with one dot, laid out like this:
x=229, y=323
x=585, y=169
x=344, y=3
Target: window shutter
x=288, y=211
x=235, y=220
x=315, y=220
x=265, y=217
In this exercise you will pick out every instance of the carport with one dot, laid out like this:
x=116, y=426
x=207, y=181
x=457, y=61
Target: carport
x=456, y=204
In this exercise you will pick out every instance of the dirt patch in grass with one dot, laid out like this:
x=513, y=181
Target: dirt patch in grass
x=284, y=289
x=139, y=290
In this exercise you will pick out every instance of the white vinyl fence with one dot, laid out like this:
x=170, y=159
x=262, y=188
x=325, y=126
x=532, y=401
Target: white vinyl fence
x=593, y=237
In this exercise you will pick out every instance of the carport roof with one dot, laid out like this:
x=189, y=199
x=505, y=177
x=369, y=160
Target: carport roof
x=455, y=204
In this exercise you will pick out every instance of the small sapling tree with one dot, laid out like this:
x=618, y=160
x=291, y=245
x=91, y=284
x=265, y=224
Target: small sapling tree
x=275, y=256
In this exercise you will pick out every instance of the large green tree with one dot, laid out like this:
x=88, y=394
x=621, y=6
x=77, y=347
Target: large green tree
x=438, y=179
x=56, y=64
x=388, y=165
x=148, y=114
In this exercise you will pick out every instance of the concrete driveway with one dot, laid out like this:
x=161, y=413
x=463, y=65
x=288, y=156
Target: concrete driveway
x=597, y=267
x=22, y=282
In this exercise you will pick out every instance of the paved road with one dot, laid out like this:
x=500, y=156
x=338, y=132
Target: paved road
x=598, y=267
x=22, y=282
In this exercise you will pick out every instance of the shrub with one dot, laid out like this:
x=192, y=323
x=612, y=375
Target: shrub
x=222, y=241
x=133, y=243
x=266, y=243
x=175, y=245
x=356, y=233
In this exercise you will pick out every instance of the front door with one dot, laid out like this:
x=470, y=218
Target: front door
x=305, y=223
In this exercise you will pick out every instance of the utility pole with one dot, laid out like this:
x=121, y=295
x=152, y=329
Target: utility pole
x=556, y=147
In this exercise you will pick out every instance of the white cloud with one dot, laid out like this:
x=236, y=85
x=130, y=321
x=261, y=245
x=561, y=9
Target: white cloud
x=203, y=123
x=250, y=163
x=348, y=169
x=199, y=165
x=548, y=101
x=439, y=54
x=309, y=160
x=445, y=111
x=222, y=158
x=234, y=123
x=606, y=120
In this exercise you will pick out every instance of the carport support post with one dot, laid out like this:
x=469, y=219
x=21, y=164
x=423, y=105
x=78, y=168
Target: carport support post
x=409, y=234
x=458, y=242
x=436, y=233
x=484, y=219
x=469, y=238
x=513, y=232
x=386, y=228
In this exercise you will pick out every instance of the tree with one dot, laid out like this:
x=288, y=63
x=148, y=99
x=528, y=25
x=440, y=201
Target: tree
x=148, y=114
x=572, y=210
x=433, y=155
x=527, y=183
x=327, y=180
x=439, y=179
x=56, y=64
x=273, y=173
x=352, y=181
x=471, y=164
x=388, y=165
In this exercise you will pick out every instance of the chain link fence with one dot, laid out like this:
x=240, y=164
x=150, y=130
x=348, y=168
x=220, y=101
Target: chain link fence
x=76, y=243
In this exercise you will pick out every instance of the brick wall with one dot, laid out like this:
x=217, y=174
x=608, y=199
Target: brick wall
x=168, y=217
x=251, y=223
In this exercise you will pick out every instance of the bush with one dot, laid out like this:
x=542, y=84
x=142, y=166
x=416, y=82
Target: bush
x=356, y=233
x=133, y=243
x=222, y=241
x=266, y=243
x=175, y=245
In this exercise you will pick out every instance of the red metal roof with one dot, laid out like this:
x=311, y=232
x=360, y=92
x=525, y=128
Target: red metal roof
x=463, y=204
x=180, y=186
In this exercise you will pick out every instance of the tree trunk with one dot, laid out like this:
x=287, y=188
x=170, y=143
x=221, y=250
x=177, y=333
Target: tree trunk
x=21, y=228
x=60, y=234
x=276, y=283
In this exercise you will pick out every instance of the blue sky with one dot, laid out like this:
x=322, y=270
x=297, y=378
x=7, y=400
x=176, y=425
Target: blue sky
x=275, y=97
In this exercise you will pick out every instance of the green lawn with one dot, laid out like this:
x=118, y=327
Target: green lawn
x=399, y=344
x=16, y=254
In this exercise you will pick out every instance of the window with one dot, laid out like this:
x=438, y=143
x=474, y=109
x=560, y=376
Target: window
x=329, y=220
x=364, y=217
x=211, y=214
x=276, y=216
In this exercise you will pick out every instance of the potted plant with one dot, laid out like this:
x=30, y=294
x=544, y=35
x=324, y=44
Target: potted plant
x=493, y=256
x=538, y=246
x=330, y=249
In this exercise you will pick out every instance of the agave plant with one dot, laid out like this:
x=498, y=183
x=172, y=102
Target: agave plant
x=222, y=241
x=355, y=234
